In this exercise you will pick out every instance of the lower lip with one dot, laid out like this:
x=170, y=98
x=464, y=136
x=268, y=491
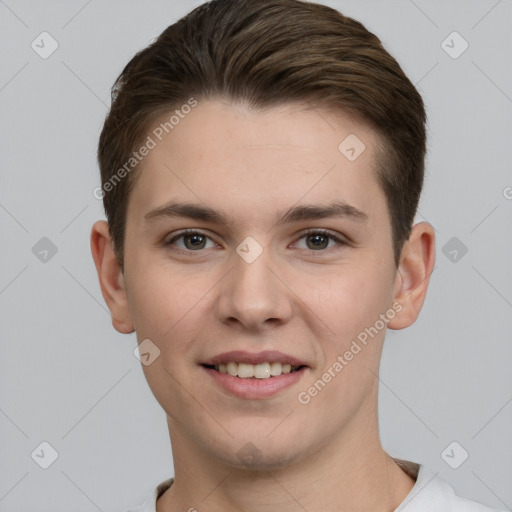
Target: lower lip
x=254, y=389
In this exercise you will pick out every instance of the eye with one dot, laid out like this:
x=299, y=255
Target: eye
x=318, y=240
x=191, y=241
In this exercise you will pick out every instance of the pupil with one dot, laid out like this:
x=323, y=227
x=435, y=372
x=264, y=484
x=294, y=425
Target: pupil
x=195, y=241
x=319, y=241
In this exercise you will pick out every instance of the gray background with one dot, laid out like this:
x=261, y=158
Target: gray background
x=69, y=379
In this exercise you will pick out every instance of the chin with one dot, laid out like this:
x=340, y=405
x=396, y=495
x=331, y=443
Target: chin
x=260, y=453
x=255, y=458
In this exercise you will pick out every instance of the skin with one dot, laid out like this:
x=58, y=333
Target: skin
x=297, y=298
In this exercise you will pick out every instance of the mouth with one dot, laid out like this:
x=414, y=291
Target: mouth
x=255, y=376
x=266, y=370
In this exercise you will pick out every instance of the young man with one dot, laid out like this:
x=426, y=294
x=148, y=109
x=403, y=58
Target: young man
x=261, y=167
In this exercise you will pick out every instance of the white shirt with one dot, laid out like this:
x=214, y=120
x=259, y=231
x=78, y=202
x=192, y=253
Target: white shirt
x=429, y=494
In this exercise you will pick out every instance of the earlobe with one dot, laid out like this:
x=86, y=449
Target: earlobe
x=110, y=277
x=413, y=274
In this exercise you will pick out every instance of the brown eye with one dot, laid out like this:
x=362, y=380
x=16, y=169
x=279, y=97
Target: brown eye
x=190, y=241
x=194, y=242
x=319, y=240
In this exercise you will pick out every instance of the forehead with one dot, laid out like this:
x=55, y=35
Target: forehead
x=230, y=157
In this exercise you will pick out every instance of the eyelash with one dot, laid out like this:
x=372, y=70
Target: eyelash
x=191, y=232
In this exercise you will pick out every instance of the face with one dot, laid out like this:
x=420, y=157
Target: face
x=255, y=246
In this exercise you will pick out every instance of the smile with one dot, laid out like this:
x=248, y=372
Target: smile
x=264, y=370
x=254, y=375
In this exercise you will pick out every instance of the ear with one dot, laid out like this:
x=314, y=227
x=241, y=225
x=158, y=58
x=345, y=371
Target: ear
x=110, y=277
x=413, y=275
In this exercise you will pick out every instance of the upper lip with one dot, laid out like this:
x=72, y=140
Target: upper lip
x=242, y=356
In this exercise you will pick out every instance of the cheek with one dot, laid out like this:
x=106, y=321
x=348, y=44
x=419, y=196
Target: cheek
x=351, y=306
x=169, y=312
x=165, y=306
x=349, y=300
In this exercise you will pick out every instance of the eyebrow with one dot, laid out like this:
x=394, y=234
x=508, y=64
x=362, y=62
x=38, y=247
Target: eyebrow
x=298, y=213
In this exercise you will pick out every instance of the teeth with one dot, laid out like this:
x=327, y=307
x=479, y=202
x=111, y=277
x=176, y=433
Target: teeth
x=258, y=371
x=262, y=371
x=245, y=371
x=232, y=369
x=275, y=369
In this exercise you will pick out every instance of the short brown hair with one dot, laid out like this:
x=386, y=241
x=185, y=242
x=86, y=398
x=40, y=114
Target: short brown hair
x=267, y=53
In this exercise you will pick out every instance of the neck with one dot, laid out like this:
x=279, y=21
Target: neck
x=342, y=476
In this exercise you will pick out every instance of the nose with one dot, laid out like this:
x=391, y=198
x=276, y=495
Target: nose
x=254, y=295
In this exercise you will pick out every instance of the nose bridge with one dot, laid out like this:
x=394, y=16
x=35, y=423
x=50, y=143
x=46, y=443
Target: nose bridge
x=252, y=294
